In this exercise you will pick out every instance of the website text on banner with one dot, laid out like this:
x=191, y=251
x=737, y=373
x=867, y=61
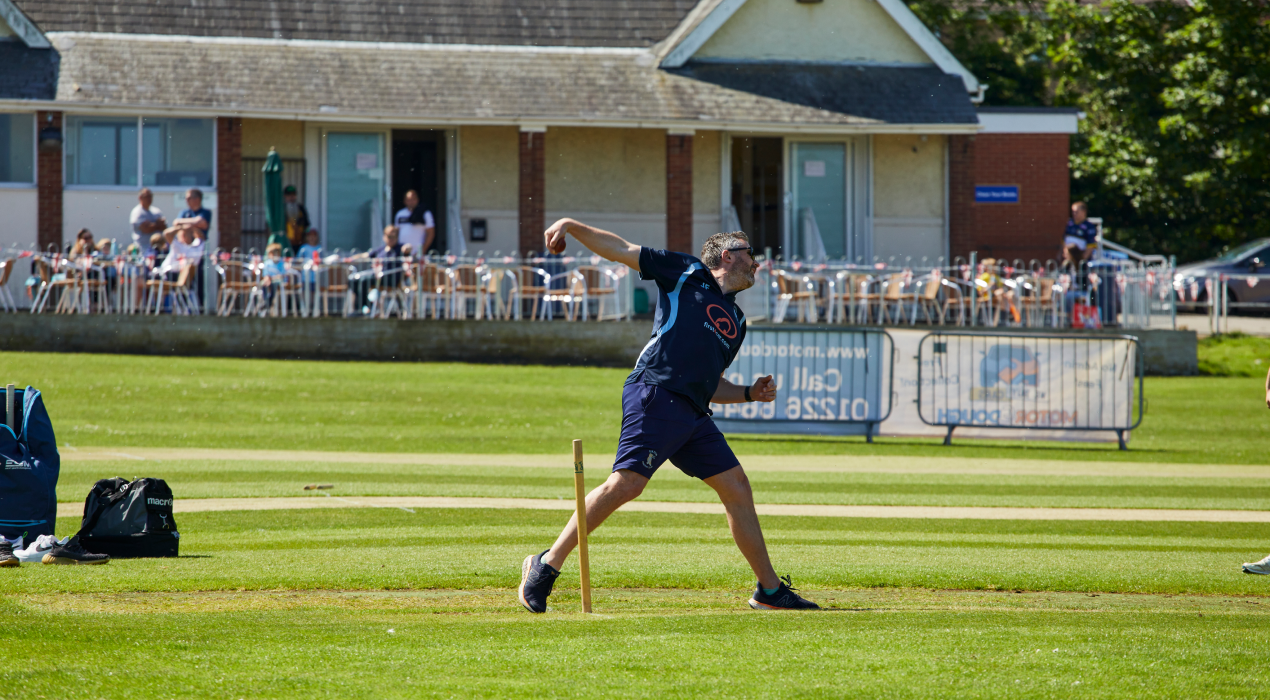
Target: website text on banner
x=1045, y=382
x=828, y=382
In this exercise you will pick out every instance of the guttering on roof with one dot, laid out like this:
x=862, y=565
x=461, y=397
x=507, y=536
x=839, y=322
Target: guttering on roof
x=405, y=119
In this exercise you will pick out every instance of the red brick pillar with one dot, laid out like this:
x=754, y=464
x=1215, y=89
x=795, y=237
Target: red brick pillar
x=229, y=181
x=679, y=192
x=49, y=184
x=533, y=212
x=962, y=236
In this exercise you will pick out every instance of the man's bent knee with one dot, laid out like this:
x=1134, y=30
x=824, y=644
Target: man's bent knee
x=732, y=482
x=626, y=484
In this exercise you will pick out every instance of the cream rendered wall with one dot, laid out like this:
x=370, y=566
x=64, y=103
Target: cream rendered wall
x=286, y=135
x=21, y=216
x=908, y=197
x=611, y=178
x=705, y=187
x=106, y=212
x=489, y=168
x=837, y=30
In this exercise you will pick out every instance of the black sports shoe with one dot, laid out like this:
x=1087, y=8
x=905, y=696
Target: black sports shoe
x=536, y=580
x=73, y=553
x=783, y=599
x=6, y=553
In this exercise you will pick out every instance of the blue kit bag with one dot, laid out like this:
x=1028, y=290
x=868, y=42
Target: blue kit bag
x=28, y=481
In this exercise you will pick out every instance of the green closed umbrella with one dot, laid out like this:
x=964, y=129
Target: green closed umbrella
x=275, y=207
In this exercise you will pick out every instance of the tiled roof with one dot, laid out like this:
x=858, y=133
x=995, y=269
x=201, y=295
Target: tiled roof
x=475, y=86
x=27, y=74
x=636, y=23
x=896, y=95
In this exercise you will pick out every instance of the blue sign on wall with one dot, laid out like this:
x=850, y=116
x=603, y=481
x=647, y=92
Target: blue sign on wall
x=997, y=194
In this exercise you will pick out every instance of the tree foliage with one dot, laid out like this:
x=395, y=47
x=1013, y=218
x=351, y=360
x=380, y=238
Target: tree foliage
x=1173, y=150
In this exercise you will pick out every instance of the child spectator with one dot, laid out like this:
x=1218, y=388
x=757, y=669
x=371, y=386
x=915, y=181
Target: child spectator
x=159, y=245
x=271, y=273
x=311, y=245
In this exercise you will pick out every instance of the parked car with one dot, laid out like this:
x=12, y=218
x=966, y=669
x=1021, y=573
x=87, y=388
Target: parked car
x=1245, y=267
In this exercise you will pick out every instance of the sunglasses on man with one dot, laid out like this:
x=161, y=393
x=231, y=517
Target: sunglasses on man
x=748, y=249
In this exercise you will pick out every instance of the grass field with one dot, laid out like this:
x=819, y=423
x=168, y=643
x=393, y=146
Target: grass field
x=385, y=602
x=399, y=407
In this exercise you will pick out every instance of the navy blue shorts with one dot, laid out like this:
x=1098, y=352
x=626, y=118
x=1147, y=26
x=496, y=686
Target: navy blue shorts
x=658, y=424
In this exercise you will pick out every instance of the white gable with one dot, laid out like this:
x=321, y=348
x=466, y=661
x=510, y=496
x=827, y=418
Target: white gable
x=13, y=22
x=882, y=32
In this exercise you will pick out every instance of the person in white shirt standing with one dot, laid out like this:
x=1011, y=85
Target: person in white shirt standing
x=416, y=225
x=146, y=220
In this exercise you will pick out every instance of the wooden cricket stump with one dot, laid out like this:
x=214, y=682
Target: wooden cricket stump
x=579, y=492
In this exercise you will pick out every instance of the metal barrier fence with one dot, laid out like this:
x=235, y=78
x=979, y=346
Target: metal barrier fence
x=1048, y=382
x=1103, y=292
x=830, y=381
x=570, y=288
x=1216, y=295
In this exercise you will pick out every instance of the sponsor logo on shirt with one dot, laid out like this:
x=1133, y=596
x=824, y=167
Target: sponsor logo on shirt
x=722, y=321
x=11, y=464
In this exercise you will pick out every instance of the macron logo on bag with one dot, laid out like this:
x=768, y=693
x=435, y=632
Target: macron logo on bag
x=10, y=464
x=158, y=501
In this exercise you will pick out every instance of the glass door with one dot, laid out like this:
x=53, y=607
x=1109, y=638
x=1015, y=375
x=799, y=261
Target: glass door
x=355, y=192
x=819, y=198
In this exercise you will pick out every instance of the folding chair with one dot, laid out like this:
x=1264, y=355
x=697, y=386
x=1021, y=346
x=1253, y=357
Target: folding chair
x=464, y=282
x=797, y=291
x=531, y=284
x=236, y=280
x=6, y=297
x=431, y=285
x=590, y=284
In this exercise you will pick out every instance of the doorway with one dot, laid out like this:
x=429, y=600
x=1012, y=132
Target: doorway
x=355, y=187
x=758, y=189
x=418, y=163
x=819, y=200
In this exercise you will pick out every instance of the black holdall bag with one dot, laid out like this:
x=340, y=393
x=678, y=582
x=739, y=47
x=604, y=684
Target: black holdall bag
x=130, y=519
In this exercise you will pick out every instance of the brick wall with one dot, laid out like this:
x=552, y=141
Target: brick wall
x=1033, y=228
x=679, y=193
x=229, y=181
x=49, y=184
x=532, y=191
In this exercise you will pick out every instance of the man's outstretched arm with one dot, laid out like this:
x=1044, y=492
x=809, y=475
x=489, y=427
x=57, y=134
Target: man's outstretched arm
x=609, y=246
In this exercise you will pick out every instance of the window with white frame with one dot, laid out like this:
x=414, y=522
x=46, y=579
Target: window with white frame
x=17, y=149
x=171, y=152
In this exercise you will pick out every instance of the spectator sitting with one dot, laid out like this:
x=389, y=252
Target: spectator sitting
x=158, y=245
x=185, y=246
x=146, y=221
x=105, y=248
x=312, y=245
x=297, y=218
x=271, y=273
x=196, y=219
x=83, y=245
x=280, y=239
x=390, y=253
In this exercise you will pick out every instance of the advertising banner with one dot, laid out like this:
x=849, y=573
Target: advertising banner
x=1057, y=382
x=828, y=381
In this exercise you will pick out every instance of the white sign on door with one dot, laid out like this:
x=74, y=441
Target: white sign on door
x=367, y=161
x=814, y=168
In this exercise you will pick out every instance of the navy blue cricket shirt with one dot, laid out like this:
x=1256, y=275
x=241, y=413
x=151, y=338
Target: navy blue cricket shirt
x=697, y=330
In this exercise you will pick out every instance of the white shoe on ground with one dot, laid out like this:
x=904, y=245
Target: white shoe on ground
x=1261, y=567
x=34, y=553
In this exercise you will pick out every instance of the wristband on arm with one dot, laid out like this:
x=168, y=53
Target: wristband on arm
x=747, y=396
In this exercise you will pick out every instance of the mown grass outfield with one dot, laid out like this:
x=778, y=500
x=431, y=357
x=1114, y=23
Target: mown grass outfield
x=399, y=602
